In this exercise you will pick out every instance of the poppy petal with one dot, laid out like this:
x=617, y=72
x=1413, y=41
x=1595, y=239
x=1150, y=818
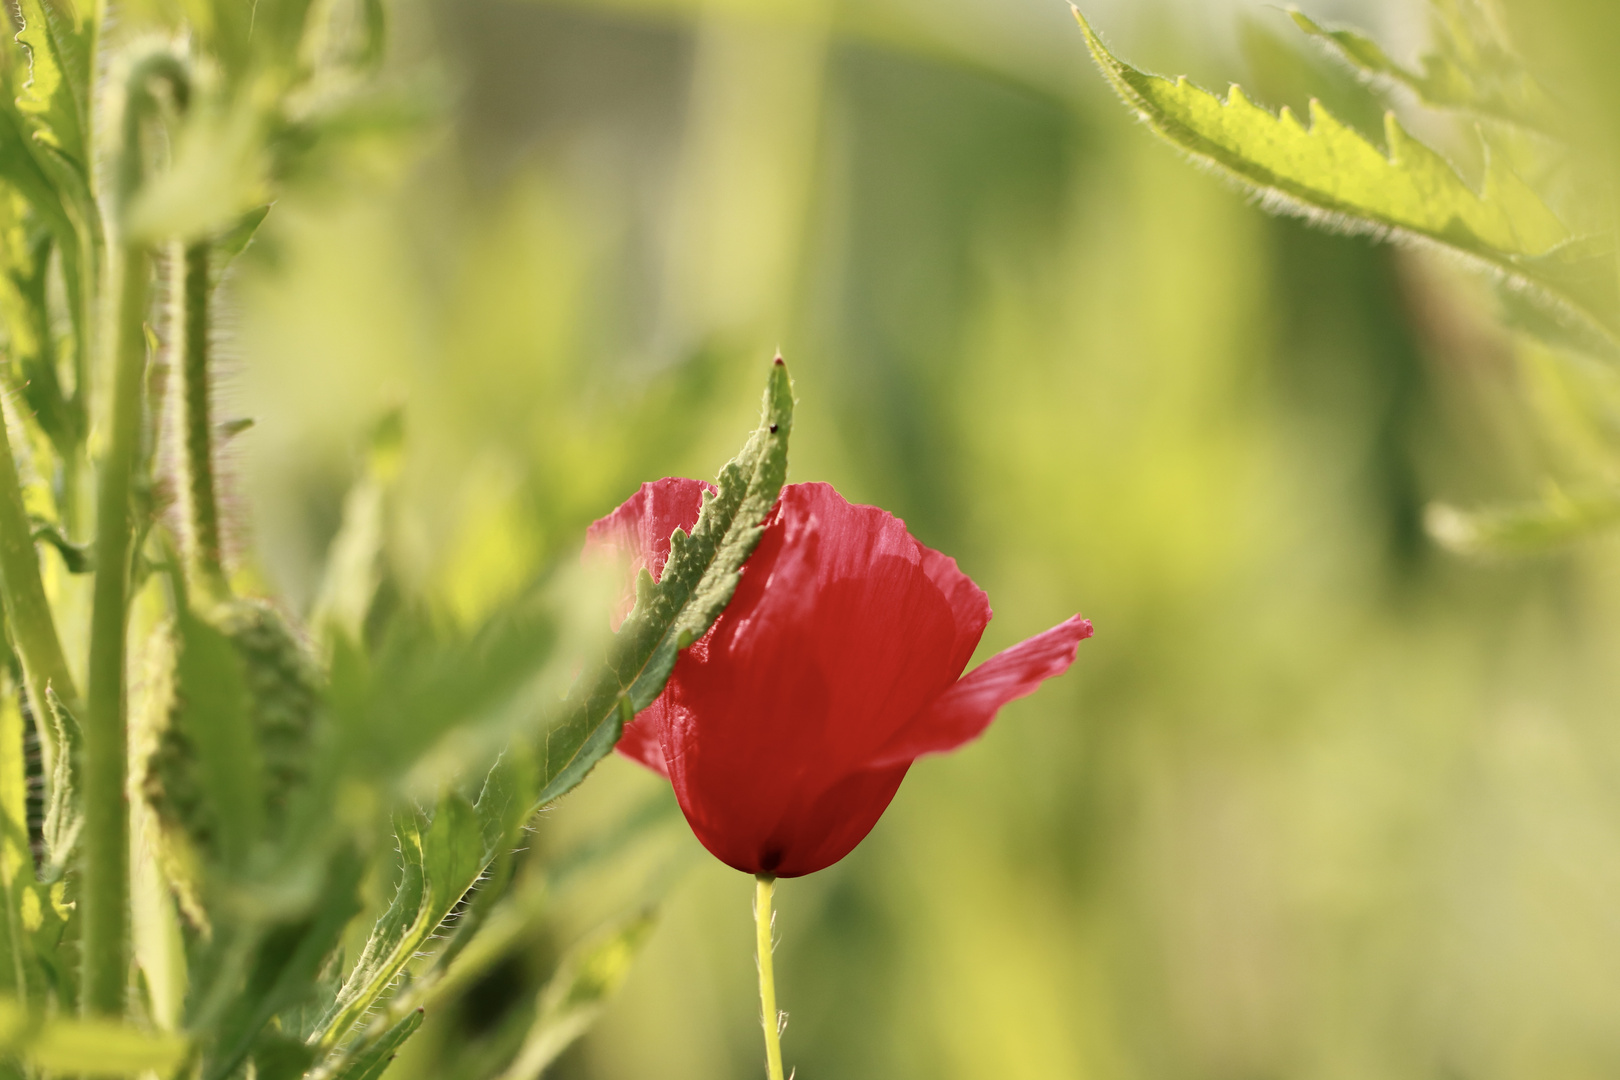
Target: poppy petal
x=638, y=533
x=969, y=604
x=966, y=709
x=836, y=637
x=641, y=739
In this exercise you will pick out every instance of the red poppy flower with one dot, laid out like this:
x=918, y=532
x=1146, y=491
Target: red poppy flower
x=787, y=728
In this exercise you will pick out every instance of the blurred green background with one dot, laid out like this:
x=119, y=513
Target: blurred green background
x=1319, y=800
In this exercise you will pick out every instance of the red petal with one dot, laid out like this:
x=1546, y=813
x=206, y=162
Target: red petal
x=642, y=737
x=638, y=533
x=968, y=603
x=843, y=628
x=966, y=709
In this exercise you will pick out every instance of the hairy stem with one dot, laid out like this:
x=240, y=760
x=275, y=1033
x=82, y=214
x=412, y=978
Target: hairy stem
x=764, y=885
x=106, y=815
x=206, y=563
x=33, y=629
x=105, y=897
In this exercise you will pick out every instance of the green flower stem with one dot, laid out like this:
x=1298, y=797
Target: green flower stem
x=105, y=897
x=33, y=630
x=764, y=884
x=207, y=566
x=106, y=814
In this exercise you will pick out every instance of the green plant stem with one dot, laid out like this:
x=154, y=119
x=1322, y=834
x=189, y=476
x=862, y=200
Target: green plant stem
x=106, y=814
x=206, y=562
x=105, y=868
x=33, y=629
x=769, y=1018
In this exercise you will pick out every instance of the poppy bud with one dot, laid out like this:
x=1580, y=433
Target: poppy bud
x=788, y=727
x=282, y=683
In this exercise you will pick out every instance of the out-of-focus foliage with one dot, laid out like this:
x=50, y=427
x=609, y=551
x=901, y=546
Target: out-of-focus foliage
x=275, y=832
x=1325, y=800
x=1563, y=277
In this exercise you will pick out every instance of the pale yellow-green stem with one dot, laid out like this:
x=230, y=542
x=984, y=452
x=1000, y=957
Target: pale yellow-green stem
x=764, y=884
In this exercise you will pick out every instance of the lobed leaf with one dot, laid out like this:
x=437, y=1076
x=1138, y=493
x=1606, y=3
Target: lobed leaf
x=697, y=583
x=25, y=251
x=1331, y=172
x=286, y=961
x=48, y=158
x=20, y=167
x=375, y=1059
x=56, y=96
x=443, y=858
x=1330, y=168
x=64, y=820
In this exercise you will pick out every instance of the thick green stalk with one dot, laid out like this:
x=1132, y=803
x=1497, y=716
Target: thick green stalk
x=105, y=876
x=106, y=751
x=33, y=629
x=206, y=563
x=764, y=884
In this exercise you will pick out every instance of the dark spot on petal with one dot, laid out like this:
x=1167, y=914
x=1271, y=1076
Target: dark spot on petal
x=770, y=859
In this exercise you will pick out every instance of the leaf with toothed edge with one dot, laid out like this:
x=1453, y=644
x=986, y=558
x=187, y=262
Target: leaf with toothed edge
x=55, y=98
x=287, y=961
x=1331, y=172
x=371, y=1064
x=1331, y=168
x=698, y=581
x=63, y=819
x=444, y=859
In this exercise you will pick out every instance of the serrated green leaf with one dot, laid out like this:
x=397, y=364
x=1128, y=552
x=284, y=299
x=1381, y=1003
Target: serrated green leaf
x=374, y=1060
x=25, y=251
x=443, y=859
x=1330, y=168
x=64, y=820
x=697, y=583
x=286, y=962
x=1501, y=90
x=53, y=117
x=575, y=996
x=20, y=167
x=59, y=193
x=511, y=920
x=1331, y=173
x=55, y=98
x=414, y=675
